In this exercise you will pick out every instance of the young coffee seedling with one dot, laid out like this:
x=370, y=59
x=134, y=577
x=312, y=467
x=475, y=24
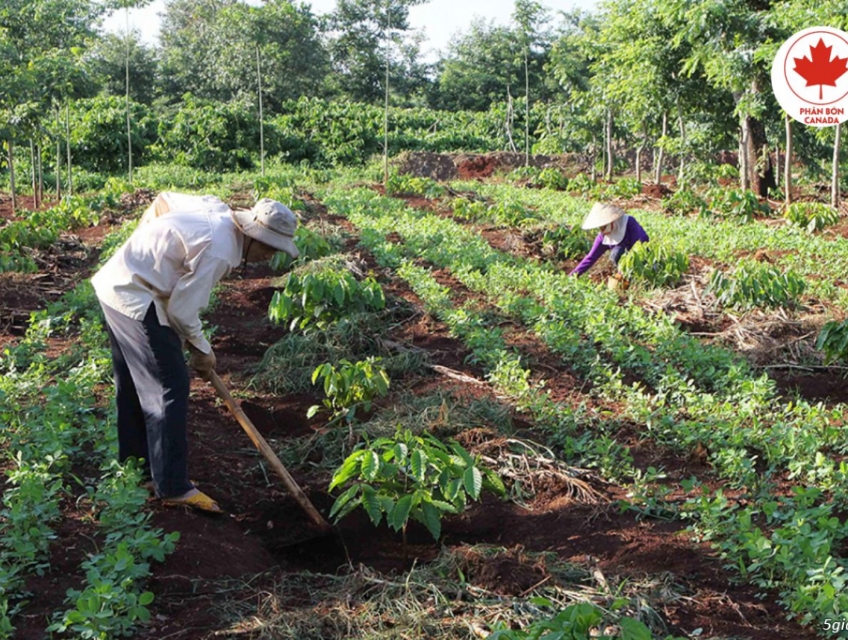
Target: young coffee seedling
x=655, y=263
x=350, y=386
x=409, y=476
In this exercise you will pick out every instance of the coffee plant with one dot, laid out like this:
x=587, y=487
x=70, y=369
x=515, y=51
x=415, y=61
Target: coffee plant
x=565, y=242
x=350, y=386
x=735, y=203
x=311, y=244
x=833, y=341
x=756, y=284
x=321, y=292
x=469, y=209
x=409, y=185
x=409, y=476
x=684, y=202
x=655, y=263
x=811, y=216
x=576, y=621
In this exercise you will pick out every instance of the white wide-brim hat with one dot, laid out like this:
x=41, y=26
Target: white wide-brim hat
x=602, y=214
x=271, y=223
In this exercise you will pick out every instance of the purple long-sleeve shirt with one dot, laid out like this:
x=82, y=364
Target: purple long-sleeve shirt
x=633, y=233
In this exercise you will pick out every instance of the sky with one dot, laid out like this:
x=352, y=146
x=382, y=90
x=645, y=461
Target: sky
x=440, y=19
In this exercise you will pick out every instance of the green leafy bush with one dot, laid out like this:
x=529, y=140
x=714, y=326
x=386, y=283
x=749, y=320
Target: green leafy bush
x=311, y=244
x=520, y=174
x=654, y=263
x=684, y=202
x=623, y=188
x=581, y=183
x=409, y=185
x=214, y=136
x=735, y=203
x=511, y=213
x=756, y=284
x=579, y=621
x=411, y=476
x=565, y=242
x=99, y=133
x=320, y=293
x=551, y=178
x=548, y=178
x=812, y=216
x=469, y=209
x=350, y=386
x=833, y=341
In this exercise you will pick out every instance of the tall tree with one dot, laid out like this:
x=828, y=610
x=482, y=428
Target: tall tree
x=722, y=37
x=293, y=59
x=530, y=18
x=359, y=30
x=486, y=63
x=108, y=58
x=189, y=42
x=43, y=60
x=209, y=50
x=786, y=18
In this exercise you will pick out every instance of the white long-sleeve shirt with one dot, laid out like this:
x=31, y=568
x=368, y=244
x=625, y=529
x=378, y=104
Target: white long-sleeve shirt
x=173, y=261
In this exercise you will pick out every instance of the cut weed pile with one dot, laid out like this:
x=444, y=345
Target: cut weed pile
x=462, y=593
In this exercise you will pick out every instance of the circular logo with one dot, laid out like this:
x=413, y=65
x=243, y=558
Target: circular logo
x=809, y=76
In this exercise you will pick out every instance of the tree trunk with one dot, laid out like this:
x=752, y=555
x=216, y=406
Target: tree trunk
x=129, y=127
x=261, y=121
x=639, y=150
x=609, y=149
x=509, y=117
x=787, y=168
x=58, y=156
x=744, y=173
x=386, y=106
x=593, y=157
x=40, y=175
x=526, y=111
x=10, y=158
x=33, y=173
x=777, y=165
x=639, y=162
x=661, y=151
x=760, y=167
x=681, y=125
x=68, y=145
x=834, y=185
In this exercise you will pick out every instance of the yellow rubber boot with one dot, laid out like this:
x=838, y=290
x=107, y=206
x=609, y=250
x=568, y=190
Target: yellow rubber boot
x=196, y=500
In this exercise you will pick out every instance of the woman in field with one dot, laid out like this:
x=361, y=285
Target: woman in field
x=618, y=233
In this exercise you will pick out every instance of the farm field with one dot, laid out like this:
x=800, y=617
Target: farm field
x=655, y=449
x=665, y=453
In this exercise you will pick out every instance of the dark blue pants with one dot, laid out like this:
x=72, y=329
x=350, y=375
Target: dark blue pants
x=616, y=253
x=152, y=384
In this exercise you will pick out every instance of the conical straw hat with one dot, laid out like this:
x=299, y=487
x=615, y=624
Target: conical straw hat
x=602, y=214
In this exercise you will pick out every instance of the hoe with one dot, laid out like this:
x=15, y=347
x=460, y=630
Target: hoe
x=260, y=443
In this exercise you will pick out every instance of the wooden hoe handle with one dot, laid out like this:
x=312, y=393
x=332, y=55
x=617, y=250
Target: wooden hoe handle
x=267, y=452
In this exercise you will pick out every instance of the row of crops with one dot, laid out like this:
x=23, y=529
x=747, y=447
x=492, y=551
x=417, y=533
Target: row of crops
x=687, y=394
x=60, y=451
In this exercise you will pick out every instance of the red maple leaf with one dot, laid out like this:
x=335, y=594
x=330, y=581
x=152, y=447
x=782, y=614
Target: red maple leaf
x=819, y=69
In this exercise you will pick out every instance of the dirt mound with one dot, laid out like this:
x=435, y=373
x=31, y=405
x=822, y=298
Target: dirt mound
x=473, y=165
x=509, y=572
x=658, y=191
x=426, y=164
x=438, y=166
x=477, y=167
x=139, y=198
